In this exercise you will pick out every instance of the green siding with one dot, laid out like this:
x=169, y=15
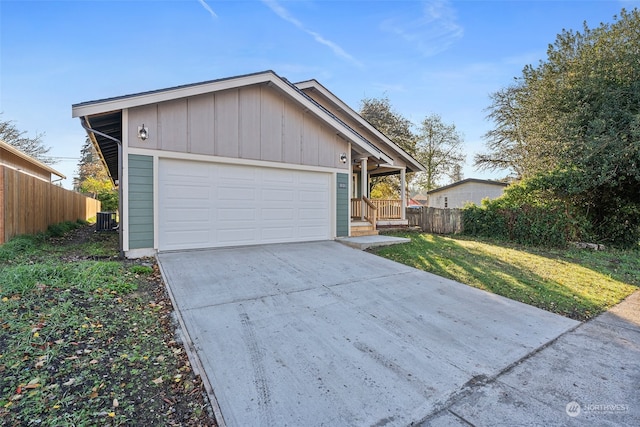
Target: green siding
x=342, y=205
x=140, y=201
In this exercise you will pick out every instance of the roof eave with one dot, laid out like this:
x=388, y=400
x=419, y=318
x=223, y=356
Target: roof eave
x=91, y=108
x=31, y=160
x=314, y=84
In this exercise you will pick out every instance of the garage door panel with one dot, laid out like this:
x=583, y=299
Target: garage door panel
x=277, y=214
x=277, y=195
x=275, y=234
x=186, y=216
x=234, y=214
x=236, y=236
x=236, y=193
x=229, y=205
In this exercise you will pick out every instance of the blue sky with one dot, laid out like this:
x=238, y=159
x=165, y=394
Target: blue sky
x=433, y=56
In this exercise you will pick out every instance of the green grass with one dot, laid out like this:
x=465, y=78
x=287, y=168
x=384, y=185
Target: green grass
x=576, y=283
x=86, y=338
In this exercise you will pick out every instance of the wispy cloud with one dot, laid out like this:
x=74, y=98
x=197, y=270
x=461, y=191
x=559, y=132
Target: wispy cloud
x=433, y=32
x=208, y=8
x=283, y=13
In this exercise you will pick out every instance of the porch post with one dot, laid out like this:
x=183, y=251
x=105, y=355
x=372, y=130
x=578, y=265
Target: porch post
x=403, y=194
x=364, y=184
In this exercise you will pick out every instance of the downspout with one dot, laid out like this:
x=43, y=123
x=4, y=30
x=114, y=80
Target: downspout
x=117, y=141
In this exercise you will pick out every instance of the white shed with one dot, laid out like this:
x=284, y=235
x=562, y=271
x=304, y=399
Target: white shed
x=460, y=193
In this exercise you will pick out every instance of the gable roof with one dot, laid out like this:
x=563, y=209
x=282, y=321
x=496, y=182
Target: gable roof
x=103, y=118
x=38, y=164
x=415, y=166
x=466, y=181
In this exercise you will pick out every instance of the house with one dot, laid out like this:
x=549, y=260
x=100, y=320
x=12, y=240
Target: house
x=30, y=200
x=469, y=190
x=422, y=198
x=245, y=160
x=12, y=158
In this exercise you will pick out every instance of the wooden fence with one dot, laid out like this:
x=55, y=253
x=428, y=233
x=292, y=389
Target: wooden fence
x=28, y=205
x=435, y=220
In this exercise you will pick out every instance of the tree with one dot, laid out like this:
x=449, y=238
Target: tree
x=379, y=113
x=31, y=146
x=505, y=143
x=576, y=118
x=89, y=165
x=439, y=149
x=93, y=179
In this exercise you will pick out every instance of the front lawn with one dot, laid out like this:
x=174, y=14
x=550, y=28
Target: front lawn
x=576, y=283
x=86, y=338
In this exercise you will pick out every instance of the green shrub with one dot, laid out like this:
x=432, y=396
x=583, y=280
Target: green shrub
x=529, y=214
x=62, y=228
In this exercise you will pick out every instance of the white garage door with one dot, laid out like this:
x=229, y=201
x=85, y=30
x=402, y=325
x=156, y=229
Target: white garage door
x=204, y=205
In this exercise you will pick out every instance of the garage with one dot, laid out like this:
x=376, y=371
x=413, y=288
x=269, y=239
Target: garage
x=206, y=205
x=238, y=161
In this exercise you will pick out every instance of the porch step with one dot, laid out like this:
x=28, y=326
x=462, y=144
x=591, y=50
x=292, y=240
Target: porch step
x=362, y=228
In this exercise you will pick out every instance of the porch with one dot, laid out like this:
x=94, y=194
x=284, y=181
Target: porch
x=368, y=215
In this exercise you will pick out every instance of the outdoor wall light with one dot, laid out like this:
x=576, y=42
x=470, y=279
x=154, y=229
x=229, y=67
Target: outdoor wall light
x=143, y=132
x=343, y=157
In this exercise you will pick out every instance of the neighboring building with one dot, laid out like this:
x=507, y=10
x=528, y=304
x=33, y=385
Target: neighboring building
x=422, y=198
x=469, y=190
x=245, y=160
x=13, y=158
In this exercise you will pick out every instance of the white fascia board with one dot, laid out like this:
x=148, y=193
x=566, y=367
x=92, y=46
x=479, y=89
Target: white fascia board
x=153, y=97
x=340, y=104
x=342, y=130
x=147, y=98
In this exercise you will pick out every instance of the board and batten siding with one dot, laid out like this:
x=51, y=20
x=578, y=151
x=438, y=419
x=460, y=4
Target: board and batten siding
x=354, y=124
x=342, y=205
x=140, y=201
x=253, y=122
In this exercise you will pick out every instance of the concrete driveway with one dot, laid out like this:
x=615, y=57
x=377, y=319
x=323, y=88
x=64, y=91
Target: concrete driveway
x=322, y=334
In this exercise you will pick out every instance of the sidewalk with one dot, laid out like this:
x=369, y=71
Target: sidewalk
x=588, y=376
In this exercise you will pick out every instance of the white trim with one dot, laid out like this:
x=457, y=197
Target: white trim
x=231, y=160
x=156, y=201
x=314, y=84
x=333, y=188
x=349, y=192
x=269, y=77
x=140, y=253
x=120, y=103
x=123, y=182
x=403, y=193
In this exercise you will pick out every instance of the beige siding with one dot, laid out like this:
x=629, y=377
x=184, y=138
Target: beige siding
x=147, y=115
x=252, y=122
x=250, y=108
x=310, y=140
x=271, y=126
x=292, y=133
x=201, y=125
x=226, y=116
x=172, y=125
x=349, y=120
